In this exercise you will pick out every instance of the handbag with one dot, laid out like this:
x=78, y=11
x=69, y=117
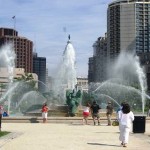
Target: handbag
x=115, y=123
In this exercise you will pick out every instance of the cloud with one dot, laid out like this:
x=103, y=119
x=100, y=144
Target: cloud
x=43, y=22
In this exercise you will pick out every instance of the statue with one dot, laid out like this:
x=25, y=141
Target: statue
x=73, y=101
x=69, y=37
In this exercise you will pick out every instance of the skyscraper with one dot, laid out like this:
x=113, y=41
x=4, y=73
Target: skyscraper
x=22, y=46
x=98, y=63
x=128, y=28
x=39, y=67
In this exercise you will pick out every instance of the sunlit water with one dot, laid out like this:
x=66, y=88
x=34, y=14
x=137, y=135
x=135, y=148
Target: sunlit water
x=65, y=77
x=127, y=82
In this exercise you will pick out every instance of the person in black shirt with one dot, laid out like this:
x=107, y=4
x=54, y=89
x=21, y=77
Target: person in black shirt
x=95, y=112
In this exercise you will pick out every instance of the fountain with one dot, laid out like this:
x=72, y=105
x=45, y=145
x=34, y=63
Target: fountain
x=127, y=82
x=7, y=59
x=65, y=81
x=65, y=77
x=16, y=91
x=21, y=97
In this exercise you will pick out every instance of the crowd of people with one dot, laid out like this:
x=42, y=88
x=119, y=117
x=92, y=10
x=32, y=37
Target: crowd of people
x=94, y=109
x=125, y=117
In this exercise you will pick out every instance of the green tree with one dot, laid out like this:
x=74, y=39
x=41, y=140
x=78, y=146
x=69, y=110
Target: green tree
x=28, y=80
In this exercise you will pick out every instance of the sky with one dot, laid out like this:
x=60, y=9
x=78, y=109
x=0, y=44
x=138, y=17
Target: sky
x=49, y=22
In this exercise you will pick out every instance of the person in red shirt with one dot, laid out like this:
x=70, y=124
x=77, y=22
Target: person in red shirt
x=44, y=112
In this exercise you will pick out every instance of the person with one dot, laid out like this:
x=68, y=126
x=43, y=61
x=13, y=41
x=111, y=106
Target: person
x=148, y=113
x=109, y=111
x=44, y=112
x=125, y=118
x=95, y=112
x=86, y=113
x=119, y=112
x=1, y=114
x=5, y=114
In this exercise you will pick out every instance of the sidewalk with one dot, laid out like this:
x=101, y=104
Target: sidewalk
x=52, y=136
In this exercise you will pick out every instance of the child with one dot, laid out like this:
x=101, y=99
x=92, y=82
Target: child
x=44, y=112
x=86, y=113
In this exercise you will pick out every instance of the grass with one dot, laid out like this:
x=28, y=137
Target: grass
x=3, y=133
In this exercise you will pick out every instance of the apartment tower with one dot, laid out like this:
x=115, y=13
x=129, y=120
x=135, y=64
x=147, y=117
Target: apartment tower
x=22, y=46
x=128, y=30
x=39, y=67
x=98, y=63
x=128, y=27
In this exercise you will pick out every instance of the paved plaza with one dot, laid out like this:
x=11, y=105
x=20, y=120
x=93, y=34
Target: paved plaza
x=72, y=136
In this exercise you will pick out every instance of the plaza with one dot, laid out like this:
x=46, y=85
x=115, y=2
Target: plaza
x=69, y=136
x=69, y=82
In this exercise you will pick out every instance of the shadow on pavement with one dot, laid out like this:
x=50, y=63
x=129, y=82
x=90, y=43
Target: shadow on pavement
x=103, y=144
x=34, y=120
x=108, y=132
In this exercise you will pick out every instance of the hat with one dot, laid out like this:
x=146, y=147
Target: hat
x=109, y=102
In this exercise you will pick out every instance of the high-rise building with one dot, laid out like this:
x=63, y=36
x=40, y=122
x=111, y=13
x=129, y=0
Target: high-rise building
x=128, y=27
x=98, y=63
x=128, y=30
x=91, y=70
x=39, y=67
x=22, y=46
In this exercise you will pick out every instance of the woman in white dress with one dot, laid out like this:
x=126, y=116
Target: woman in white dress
x=125, y=118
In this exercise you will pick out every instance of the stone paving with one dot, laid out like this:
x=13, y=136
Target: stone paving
x=73, y=136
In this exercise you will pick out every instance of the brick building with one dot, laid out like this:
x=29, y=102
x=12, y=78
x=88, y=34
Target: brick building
x=22, y=46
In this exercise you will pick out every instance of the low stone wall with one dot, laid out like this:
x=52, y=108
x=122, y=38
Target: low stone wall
x=103, y=120
x=62, y=111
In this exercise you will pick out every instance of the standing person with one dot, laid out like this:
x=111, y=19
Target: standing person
x=44, y=112
x=148, y=113
x=86, y=113
x=125, y=118
x=95, y=112
x=1, y=114
x=119, y=112
x=109, y=111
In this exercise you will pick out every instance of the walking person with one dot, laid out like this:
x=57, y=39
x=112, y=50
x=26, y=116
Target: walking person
x=1, y=114
x=95, y=112
x=44, y=112
x=125, y=118
x=86, y=113
x=109, y=112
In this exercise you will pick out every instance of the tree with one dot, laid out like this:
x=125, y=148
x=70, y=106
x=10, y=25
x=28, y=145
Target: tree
x=27, y=79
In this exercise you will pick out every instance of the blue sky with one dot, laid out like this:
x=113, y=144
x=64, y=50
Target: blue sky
x=43, y=22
